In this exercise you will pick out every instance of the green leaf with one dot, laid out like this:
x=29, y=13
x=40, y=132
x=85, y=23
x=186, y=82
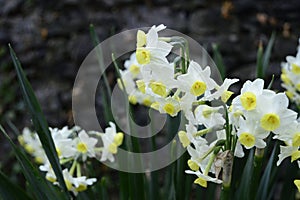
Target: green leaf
x=39, y=120
x=96, y=42
x=263, y=58
x=219, y=60
x=267, y=53
x=264, y=186
x=9, y=190
x=41, y=188
x=259, y=61
x=244, y=186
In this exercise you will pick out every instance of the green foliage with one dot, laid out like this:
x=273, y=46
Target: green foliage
x=10, y=190
x=263, y=57
x=41, y=187
x=217, y=57
x=38, y=120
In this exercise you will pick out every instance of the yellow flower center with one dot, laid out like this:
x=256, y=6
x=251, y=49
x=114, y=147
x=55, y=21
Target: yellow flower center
x=207, y=112
x=248, y=100
x=113, y=148
x=193, y=165
x=143, y=56
x=81, y=147
x=270, y=121
x=289, y=94
x=285, y=79
x=118, y=138
x=39, y=160
x=247, y=139
x=295, y=155
x=169, y=108
x=226, y=95
x=141, y=38
x=183, y=139
x=51, y=178
x=132, y=99
x=141, y=86
x=296, y=139
x=147, y=101
x=134, y=69
x=21, y=140
x=295, y=68
x=29, y=148
x=158, y=88
x=297, y=183
x=198, y=88
x=81, y=188
x=201, y=181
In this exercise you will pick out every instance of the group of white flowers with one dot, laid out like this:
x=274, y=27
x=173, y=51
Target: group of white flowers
x=291, y=77
x=214, y=129
x=151, y=79
x=73, y=146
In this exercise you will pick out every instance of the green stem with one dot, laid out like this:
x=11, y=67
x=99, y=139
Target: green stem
x=257, y=164
x=73, y=167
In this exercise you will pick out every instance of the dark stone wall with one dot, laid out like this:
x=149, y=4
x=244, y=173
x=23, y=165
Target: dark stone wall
x=52, y=38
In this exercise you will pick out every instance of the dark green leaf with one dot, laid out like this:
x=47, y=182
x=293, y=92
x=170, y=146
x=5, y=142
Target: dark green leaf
x=9, y=190
x=219, y=60
x=244, y=186
x=39, y=120
x=37, y=182
x=267, y=53
x=259, y=61
x=263, y=188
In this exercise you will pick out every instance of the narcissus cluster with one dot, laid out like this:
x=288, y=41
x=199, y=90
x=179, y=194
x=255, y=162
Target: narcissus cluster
x=215, y=129
x=74, y=147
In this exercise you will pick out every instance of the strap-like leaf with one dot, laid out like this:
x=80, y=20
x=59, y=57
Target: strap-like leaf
x=264, y=186
x=9, y=190
x=219, y=60
x=42, y=190
x=38, y=119
x=244, y=186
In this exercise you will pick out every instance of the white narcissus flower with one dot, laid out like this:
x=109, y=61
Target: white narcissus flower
x=81, y=183
x=159, y=79
x=250, y=134
x=288, y=151
x=150, y=49
x=133, y=66
x=111, y=140
x=291, y=134
x=197, y=157
x=62, y=144
x=85, y=145
x=222, y=91
x=169, y=105
x=209, y=116
x=127, y=81
x=196, y=81
x=50, y=175
x=247, y=100
x=187, y=137
x=272, y=111
x=186, y=104
x=291, y=76
x=202, y=179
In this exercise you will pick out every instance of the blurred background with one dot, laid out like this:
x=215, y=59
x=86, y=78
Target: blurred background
x=51, y=39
